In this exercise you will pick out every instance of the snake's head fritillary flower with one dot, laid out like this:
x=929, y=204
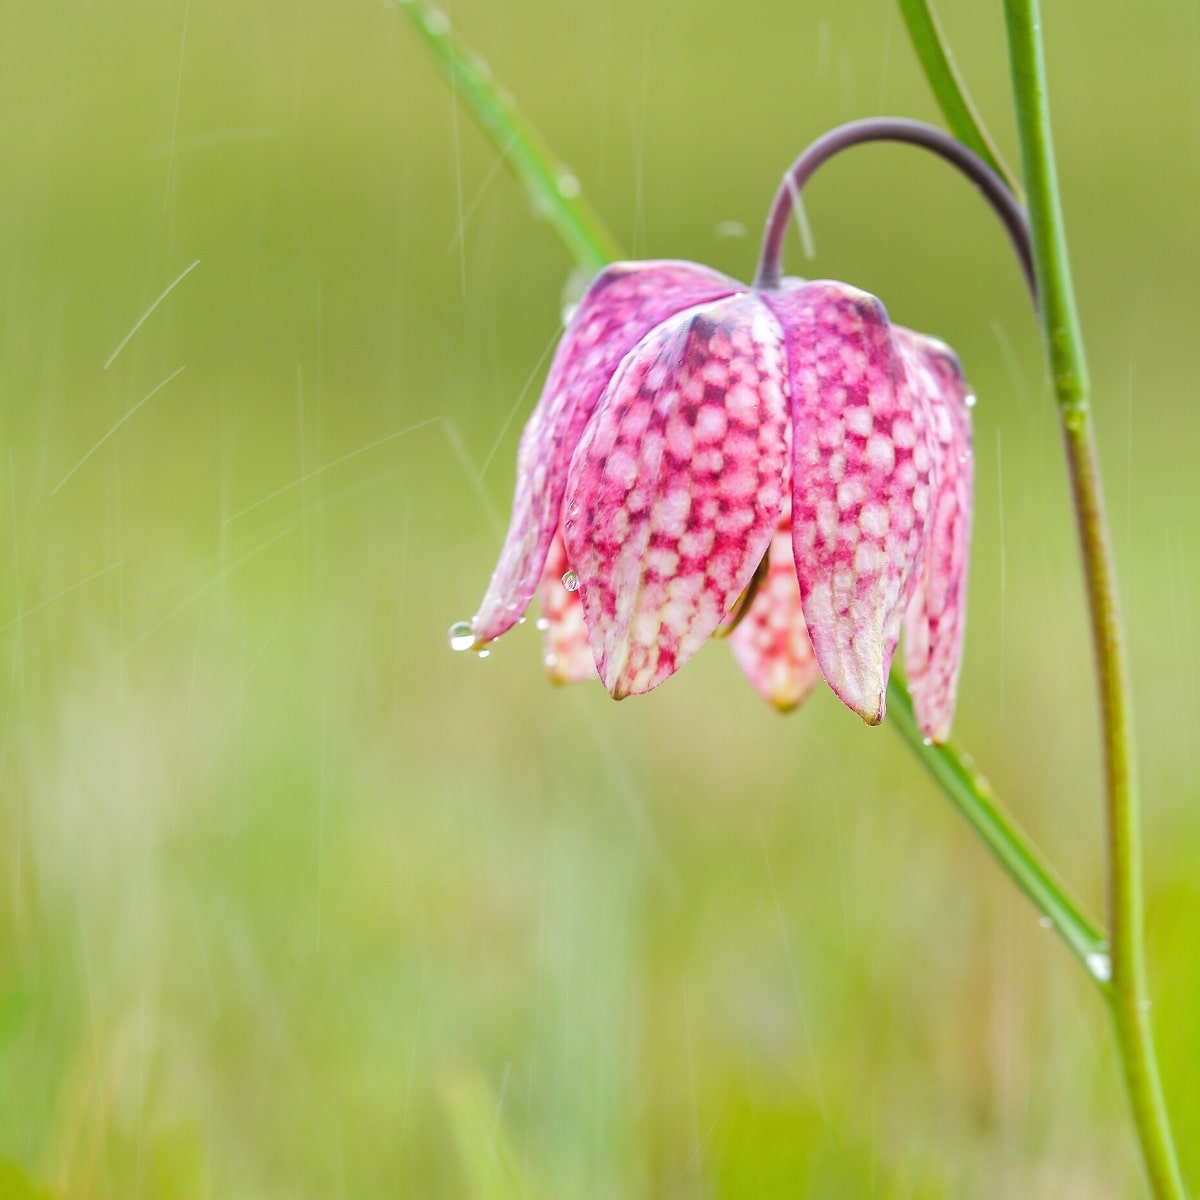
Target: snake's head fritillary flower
x=780, y=463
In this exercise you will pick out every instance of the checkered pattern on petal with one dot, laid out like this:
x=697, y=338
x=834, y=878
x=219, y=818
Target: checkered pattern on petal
x=861, y=483
x=564, y=633
x=936, y=618
x=623, y=304
x=770, y=641
x=677, y=488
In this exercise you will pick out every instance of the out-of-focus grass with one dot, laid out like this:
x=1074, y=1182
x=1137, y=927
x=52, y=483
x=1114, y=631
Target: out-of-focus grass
x=296, y=902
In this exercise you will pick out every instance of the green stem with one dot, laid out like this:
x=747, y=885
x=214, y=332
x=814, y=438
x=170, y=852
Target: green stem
x=948, y=88
x=971, y=794
x=1128, y=994
x=554, y=189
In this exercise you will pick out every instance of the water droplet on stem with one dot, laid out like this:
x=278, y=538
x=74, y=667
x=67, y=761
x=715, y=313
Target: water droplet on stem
x=1100, y=965
x=437, y=22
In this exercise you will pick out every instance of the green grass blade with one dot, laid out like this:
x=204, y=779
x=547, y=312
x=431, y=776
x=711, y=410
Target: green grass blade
x=948, y=89
x=487, y=1159
x=16, y=1185
x=554, y=189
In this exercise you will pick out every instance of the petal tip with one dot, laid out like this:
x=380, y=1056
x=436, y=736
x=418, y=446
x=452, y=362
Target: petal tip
x=867, y=704
x=865, y=697
x=937, y=734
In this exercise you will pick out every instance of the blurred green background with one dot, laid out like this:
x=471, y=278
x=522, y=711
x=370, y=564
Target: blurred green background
x=295, y=902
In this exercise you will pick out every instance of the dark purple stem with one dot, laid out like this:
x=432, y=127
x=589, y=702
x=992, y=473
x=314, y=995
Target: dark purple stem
x=891, y=129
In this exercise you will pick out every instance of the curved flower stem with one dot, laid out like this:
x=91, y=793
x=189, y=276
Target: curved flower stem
x=1060, y=328
x=948, y=89
x=889, y=129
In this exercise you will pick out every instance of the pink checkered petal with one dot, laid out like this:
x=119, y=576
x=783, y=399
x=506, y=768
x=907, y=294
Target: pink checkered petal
x=936, y=618
x=861, y=483
x=771, y=642
x=564, y=635
x=677, y=487
x=623, y=304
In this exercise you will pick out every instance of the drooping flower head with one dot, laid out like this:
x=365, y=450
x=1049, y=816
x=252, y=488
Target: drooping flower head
x=778, y=462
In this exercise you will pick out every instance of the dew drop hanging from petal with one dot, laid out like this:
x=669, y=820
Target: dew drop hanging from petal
x=461, y=635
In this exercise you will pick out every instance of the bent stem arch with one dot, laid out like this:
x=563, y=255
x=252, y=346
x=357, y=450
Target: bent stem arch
x=891, y=129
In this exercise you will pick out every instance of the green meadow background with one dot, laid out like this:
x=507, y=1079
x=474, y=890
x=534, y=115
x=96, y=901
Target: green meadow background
x=294, y=902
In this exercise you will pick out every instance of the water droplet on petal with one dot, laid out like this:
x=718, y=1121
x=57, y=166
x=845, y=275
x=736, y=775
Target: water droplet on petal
x=571, y=581
x=1100, y=965
x=462, y=635
x=1046, y=923
x=969, y=399
x=543, y=623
